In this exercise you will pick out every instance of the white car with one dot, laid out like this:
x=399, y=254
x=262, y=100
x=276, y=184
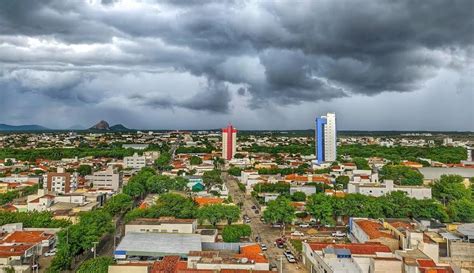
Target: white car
x=264, y=247
x=338, y=234
x=52, y=252
x=304, y=225
x=297, y=233
x=291, y=259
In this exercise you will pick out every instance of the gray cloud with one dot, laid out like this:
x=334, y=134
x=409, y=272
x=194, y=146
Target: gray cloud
x=272, y=52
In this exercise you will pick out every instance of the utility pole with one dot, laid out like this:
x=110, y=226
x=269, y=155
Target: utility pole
x=94, y=248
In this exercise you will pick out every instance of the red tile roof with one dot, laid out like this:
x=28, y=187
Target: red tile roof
x=26, y=237
x=14, y=250
x=201, y=201
x=253, y=253
x=372, y=229
x=355, y=248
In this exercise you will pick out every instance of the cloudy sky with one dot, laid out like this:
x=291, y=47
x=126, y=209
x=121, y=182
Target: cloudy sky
x=380, y=65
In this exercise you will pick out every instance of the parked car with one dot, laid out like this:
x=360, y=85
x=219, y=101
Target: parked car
x=51, y=252
x=257, y=212
x=254, y=207
x=277, y=225
x=338, y=234
x=273, y=267
x=280, y=243
x=291, y=259
x=264, y=247
x=297, y=233
x=303, y=225
x=288, y=252
x=247, y=220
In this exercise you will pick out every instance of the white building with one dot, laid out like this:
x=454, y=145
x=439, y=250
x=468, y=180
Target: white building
x=378, y=189
x=163, y=225
x=135, y=161
x=108, y=179
x=326, y=138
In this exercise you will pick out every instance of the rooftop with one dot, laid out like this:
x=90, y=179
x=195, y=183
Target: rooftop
x=161, y=220
x=355, y=248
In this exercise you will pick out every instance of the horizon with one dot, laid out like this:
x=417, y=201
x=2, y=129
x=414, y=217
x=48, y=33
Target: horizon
x=389, y=66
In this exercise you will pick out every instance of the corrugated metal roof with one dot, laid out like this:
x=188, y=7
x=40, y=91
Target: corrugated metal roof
x=159, y=244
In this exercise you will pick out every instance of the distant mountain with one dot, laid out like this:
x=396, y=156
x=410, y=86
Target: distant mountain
x=104, y=126
x=31, y=127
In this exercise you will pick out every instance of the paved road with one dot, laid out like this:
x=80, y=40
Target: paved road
x=267, y=234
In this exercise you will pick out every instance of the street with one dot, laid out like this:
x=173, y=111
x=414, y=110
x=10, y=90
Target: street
x=267, y=234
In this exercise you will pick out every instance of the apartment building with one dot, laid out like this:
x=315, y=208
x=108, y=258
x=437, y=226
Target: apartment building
x=110, y=178
x=135, y=161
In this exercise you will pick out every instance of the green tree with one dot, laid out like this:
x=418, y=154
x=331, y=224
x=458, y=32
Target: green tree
x=361, y=163
x=84, y=170
x=218, y=212
x=162, y=163
x=279, y=211
x=233, y=233
x=298, y=196
x=342, y=180
x=235, y=171
x=320, y=206
x=461, y=210
x=195, y=160
x=401, y=175
x=211, y=178
x=450, y=187
x=118, y=204
x=97, y=265
x=171, y=204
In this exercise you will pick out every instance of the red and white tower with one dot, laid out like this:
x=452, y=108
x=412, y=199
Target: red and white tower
x=229, y=142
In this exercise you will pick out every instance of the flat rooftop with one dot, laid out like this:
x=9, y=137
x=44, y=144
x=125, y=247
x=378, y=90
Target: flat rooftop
x=158, y=244
x=162, y=220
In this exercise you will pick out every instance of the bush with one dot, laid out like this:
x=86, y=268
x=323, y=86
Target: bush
x=97, y=265
x=233, y=233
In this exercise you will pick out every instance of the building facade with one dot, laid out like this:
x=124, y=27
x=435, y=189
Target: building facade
x=108, y=179
x=326, y=138
x=229, y=142
x=61, y=182
x=134, y=162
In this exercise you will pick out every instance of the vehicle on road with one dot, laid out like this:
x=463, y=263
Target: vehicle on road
x=257, y=212
x=51, y=252
x=338, y=234
x=291, y=259
x=297, y=233
x=273, y=267
x=277, y=225
x=254, y=207
x=247, y=220
x=264, y=247
x=303, y=225
x=280, y=242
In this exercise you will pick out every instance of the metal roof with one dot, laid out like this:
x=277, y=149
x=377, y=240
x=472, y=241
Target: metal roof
x=435, y=173
x=159, y=244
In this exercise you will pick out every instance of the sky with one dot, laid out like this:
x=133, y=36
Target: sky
x=200, y=64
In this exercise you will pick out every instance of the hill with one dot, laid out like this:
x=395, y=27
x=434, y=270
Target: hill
x=30, y=127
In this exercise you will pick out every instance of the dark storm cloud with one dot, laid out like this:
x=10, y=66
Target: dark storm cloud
x=282, y=52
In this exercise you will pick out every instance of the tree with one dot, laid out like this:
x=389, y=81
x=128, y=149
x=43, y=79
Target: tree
x=233, y=233
x=118, y=204
x=342, y=180
x=320, y=206
x=195, y=160
x=84, y=170
x=171, y=204
x=231, y=213
x=299, y=196
x=401, y=175
x=235, y=171
x=449, y=188
x=461, y=210
x=361, y=163
x=97, y=265
x=211, y=178
x=217, y=212
x=279, y=211
x=163, y=161
x=238, y=155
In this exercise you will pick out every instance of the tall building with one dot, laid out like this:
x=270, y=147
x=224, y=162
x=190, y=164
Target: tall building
x=229, y=142
x=326, y=138
x=61, y=181
x=135, y=162
x=108, y=179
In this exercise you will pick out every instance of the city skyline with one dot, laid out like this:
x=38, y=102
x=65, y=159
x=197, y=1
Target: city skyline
x=262, y=65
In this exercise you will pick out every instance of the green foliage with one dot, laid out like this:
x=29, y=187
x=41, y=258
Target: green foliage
x=320, y=206
x=80, y=237
x=241, y=186
x=401, y=175
x=84, y=170
x=194, y=150
x=322, y=171
x=217, y=212
x=32, y=219
x=361, y=163
x=195, y=160
x=342, y=180
x=298, y=196
x=449, y=188
x=171, y=204
x=211, y=178
x=162, y=163
x=279, y=211
x=279, y=187
x=118, y=203
x=161, y=183
x=233, y=233
x=235, y=171
x=398, y=153
x=97, y=265
x=59, y=153
x=461, y=210
x=11, y=195
x=238, y=156
x=291, y=149
x=297, y=244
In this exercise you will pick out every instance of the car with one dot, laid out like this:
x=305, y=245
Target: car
x=264, y=247
x=257, y=212
x=273, y=267
x=262, y=219
x=254, y=207
x=277, y=225
x=338, y=234
x=51, y=252
x=280, y=243
x=297, y=233
x=291, y=259
x=247, y=221
x=303, y=225
x=288, y=252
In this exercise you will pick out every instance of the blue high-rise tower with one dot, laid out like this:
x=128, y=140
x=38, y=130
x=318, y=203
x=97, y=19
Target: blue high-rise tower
x=325, y=137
